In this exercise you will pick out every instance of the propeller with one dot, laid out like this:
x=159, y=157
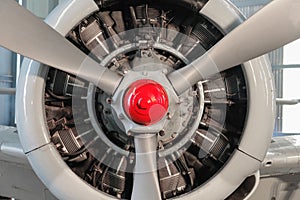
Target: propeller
x=145, y=178
x=273, y=26
x=26, y=34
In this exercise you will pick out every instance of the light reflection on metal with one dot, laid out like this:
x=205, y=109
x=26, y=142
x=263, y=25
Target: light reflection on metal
x=280, y=101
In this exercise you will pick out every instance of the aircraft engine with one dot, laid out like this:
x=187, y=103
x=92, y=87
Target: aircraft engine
x=146, y=140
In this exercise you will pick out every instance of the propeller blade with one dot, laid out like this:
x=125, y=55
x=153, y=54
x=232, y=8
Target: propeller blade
x=145, y=179
x=26, y=34
x=273, y=26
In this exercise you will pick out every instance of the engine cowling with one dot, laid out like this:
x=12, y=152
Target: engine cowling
x=77, y=137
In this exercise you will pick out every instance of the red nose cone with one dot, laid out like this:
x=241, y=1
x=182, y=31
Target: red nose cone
x=146, y=102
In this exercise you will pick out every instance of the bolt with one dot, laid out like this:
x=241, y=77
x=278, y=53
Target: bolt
x=180, y=100
x=145, y=73
x=161, y=133
x=121, y=116
x=108, y=100
x=164, y=71
x=194, y=93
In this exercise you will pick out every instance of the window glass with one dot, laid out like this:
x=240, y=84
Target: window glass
x=291, y=53
x=291, y=88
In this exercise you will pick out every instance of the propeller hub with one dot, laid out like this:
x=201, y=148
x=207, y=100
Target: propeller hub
x=146, y=102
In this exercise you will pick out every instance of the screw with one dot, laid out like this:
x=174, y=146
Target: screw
x=108, y=100
x=180, y=100
x=145, y=73
x=164, y=71
x=161, y=133
x=121, y=116
x=194, y=93
x=173, y=135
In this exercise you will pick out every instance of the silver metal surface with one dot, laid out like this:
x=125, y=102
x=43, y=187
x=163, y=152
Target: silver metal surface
x=31, y=81
x=287, y=101
x=228, y=20
x=34, y=135
x=10, y=147
x=29, y=105
x=17, y=177
x=248, y=8
x=260, y=98
x=229, y=178
x=59, y=178
x=280, y=170
x=261, y=108
x=95, y=123
x=282, y=187
x=20, y=182
x=258, y=123
x=145, y=179
x=60, y=175
x=283, y=156
x=60, y=53
x=235, y=47
x=179, y=113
